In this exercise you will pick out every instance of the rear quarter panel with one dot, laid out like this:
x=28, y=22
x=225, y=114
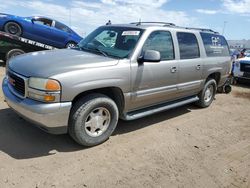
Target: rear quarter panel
x=220, y=61
x=217, y=64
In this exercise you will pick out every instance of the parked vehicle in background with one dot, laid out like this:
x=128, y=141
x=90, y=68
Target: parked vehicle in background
x=242, y=68
x=247, y=52
x=118, y=71
x=41, y=29
x=234, y=52
x=11, y=46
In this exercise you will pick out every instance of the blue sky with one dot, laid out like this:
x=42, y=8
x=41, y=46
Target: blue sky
x=85, y=15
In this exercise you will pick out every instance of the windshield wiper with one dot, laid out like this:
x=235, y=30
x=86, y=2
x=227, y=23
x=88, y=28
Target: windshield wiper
x=93, y=49
x=100, y=51
x=84, y=48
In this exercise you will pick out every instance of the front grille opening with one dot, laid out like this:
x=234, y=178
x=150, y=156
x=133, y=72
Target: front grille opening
x=17, y=83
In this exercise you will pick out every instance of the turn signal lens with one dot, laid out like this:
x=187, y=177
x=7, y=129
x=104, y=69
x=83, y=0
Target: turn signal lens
x=52, y=85
x=45, y=90
x=49, y=98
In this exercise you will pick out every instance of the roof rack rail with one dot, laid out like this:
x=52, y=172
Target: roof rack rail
x=202, y=29
x=166, y=24
x=161, y=23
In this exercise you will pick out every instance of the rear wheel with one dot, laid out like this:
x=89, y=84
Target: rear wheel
x=71, y=45
x=206, y=96
x=93, y=119
x=13, y=28
x=13, y=53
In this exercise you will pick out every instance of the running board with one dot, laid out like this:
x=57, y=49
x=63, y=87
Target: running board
x=158, y=108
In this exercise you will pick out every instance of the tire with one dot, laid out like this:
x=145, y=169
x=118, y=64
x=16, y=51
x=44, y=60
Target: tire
x=13, y=53
x=13, y=28
x=93, y=119
x=206, y=98
x=70, y=45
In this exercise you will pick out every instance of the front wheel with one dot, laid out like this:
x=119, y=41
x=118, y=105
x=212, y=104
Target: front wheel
x=206, y=96
x=93, y=119
x=13, y=28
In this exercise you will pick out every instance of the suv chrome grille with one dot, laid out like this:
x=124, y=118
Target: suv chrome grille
x=17, y=83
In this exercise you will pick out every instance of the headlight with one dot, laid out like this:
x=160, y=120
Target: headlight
x=44, y=84
x=46, y=90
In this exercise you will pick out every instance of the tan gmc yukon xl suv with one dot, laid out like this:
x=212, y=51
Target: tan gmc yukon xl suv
x=118, y=71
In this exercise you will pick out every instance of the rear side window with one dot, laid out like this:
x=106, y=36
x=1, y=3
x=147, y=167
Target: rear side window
x=161, y=41
x=62, y=27
x=215, y=45
x=188, y=44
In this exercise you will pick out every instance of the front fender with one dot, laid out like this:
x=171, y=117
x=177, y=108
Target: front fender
x=77, y=82
x=96, y=84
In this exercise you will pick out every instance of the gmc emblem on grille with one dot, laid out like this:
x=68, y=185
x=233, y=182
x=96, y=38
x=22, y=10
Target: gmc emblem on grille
x=12, y=81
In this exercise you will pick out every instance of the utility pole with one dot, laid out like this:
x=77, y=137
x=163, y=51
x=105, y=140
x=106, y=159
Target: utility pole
x=224, y=27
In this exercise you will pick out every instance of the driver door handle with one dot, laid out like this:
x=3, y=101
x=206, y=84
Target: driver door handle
x=173, y=69
x=198, y=67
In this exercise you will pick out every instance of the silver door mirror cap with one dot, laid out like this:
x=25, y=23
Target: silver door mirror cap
x=150, y=56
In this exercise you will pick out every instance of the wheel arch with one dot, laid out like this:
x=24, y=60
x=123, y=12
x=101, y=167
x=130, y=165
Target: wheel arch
x=114, y=93
x=15, y=22
x=216, y=76
x=71, y=41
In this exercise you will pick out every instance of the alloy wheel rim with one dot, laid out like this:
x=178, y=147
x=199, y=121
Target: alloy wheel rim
x=209, y=93
x=71, y=45
x=97, y=122
x=13, y=29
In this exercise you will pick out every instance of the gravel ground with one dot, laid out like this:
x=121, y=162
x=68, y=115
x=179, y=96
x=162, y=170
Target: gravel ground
x=184, y=147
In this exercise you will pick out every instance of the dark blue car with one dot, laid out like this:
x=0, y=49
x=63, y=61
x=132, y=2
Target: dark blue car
x=41, y=29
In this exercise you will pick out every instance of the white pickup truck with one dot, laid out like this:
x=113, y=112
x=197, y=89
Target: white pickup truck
x=242, y=68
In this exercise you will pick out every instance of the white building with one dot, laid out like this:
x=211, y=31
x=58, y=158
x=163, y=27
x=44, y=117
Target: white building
x=239, y=44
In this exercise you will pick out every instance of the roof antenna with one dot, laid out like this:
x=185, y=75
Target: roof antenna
x=139, y=23
x=109, y=22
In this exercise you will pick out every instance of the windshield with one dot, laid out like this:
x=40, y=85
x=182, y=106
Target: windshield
x=118, y=42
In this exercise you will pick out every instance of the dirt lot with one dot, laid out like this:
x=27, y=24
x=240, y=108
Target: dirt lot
x=185, y=147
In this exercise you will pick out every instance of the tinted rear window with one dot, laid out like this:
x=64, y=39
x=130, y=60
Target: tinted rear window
x=215, y=45
x=188, y=44
x=62, y=27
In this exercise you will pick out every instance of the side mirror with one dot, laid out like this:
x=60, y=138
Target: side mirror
x=150, y=56
x=32, y=20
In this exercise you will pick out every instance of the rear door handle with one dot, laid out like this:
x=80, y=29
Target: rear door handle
x=198, y=67
x=173, y=69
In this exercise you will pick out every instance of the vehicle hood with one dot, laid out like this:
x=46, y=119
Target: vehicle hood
x=48, y=63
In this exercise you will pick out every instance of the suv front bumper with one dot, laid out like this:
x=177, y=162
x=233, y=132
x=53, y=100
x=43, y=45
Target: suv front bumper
x=50, y=117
